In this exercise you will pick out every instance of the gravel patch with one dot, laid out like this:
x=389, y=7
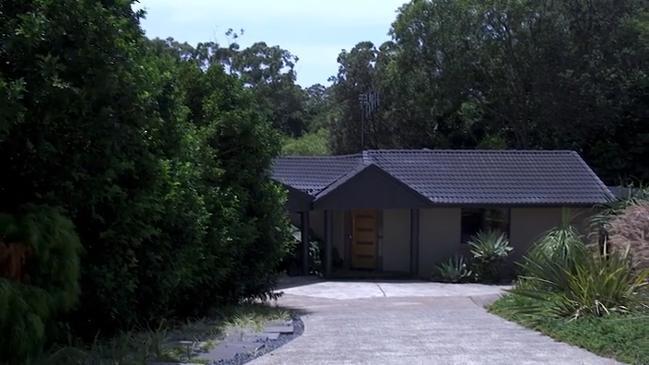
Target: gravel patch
x=263, y=345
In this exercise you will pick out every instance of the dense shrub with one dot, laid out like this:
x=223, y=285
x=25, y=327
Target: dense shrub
x=159, y=158
x=489, y=250
x=39, y=281
x=314, y=143
x=568, y=279
x=455, y=270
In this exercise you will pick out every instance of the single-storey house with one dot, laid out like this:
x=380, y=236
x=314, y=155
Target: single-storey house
x=405, y=211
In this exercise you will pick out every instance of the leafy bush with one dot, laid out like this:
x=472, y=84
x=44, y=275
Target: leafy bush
x=48, y=286
x=570, y=280
x=455, y=270
x=489, y=250
x=158, y=156
x=314, y=143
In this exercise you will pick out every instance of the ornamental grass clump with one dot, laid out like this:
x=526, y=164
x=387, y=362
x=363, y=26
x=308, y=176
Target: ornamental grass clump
x=568, y=279
x=629, y=232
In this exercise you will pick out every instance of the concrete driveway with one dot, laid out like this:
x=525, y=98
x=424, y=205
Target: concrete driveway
x=391, y=322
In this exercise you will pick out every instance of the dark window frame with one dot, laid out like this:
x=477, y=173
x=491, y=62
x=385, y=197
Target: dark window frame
x=464, y=238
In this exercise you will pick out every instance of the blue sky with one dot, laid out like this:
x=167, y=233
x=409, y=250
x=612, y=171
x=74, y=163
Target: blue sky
x=315, y=31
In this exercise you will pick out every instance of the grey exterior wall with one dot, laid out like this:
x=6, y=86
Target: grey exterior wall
x=395, y=245
x=439, y=233
x=580, y=218
x=439, y=237
x=528, y=225
x=316, y=221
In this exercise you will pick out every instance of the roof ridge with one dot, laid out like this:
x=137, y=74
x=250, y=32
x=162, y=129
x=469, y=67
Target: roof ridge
x=356, y=155
x=458, y=176
x=341, y=179
x=359, y=169
x=592, y=173
x=448, y=150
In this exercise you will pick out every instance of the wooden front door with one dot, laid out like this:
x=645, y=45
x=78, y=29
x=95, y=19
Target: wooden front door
x=364, y=239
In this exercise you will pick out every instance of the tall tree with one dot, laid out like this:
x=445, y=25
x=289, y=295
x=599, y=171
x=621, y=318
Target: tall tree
x=518, y=74
x=358, y=81
x=156, y=154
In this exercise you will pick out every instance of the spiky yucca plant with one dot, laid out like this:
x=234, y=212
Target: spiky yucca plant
x=570, y=280
x=455, y=270
x=489, y=250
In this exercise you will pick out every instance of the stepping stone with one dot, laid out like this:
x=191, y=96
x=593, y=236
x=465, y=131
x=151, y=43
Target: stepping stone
x=280, y=322
x=271, y=335
x=286, y=329
x=227, y=350
x=260, y=337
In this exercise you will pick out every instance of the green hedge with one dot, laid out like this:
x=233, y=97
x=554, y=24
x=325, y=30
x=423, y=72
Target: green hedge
x=158, y=157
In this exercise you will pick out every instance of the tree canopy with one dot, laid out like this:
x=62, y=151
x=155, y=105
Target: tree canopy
x=506, y=74
x=152, y=153
x=143, y=164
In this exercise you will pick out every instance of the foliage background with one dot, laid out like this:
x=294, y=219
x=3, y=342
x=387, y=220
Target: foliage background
x=506, y=74
x=157, y=155
x=158, y=151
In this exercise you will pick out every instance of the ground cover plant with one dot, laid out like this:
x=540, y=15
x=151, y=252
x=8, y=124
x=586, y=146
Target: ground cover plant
x=624, y=337
x=176, y=341
x=582, y=295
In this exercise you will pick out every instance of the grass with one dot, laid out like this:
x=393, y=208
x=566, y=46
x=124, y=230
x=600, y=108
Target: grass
x=163, y=342
x=624, y=337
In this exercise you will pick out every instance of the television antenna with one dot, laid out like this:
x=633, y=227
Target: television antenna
x=369, y=105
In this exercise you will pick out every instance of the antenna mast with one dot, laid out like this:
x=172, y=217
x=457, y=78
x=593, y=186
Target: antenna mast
x=369, y=104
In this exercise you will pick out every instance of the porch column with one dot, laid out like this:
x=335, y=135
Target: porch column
x=304, y=217
x=328, y=242
x=414, y=242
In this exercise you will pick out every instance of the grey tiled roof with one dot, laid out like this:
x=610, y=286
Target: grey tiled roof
x=458, y=176
x=313, y=174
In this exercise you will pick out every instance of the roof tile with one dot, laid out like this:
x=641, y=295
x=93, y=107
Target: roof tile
x=460, y=176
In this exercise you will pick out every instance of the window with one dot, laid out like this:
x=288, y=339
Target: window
x=484, y=219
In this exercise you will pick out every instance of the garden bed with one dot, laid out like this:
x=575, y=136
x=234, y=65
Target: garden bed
x=620, y=336
x=241, y=345
x=232, y=335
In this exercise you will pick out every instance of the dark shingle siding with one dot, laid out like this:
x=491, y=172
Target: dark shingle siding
x=461, y=176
